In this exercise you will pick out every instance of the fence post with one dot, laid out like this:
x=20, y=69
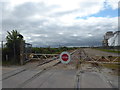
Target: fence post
x=22, y=52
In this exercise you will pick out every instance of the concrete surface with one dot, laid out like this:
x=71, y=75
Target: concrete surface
x=92, y=80
x=60, y=76
x=54, y=79
x=15, y=81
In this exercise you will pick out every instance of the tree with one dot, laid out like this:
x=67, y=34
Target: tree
x=14, y=39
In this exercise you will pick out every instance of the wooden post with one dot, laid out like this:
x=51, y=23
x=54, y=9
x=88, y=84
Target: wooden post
x=22, y=52
x=2, y=45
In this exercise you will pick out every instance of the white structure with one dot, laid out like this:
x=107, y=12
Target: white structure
x=107, y=36
x=115, y=40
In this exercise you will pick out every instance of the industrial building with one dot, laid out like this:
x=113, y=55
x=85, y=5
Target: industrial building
x=107, y=36
x=115, y=40
x=111, y=39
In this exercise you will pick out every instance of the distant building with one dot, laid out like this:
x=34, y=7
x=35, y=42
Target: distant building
x=115, y=40
x=107, y=36
x=111, y=39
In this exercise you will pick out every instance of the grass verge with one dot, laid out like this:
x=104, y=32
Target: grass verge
x=107, y=50
x=115, y=67
x=8, y=63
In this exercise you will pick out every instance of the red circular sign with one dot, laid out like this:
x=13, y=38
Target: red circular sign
x=65, y=57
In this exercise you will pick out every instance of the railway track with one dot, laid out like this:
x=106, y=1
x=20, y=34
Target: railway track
x=38, y=74
x=41, y=68
x=12, y=73
x=21, y=70
x=95, y=67
x=45, y=73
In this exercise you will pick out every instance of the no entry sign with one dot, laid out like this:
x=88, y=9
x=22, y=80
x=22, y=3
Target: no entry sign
x=65, y=57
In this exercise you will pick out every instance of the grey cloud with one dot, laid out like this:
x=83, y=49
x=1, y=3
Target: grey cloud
x=18, y=19
x=30, y=9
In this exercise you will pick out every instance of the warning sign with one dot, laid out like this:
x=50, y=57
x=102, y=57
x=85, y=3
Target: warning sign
x=65, y=57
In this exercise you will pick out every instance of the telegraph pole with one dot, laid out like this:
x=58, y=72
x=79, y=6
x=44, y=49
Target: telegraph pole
x=21, y=52
x=1, y=51
x=14, y=51
x=2, y=45
x=21, y=49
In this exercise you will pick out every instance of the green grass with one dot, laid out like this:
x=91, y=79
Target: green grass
x=107, y=50
x=8, y=63
x=113, y=67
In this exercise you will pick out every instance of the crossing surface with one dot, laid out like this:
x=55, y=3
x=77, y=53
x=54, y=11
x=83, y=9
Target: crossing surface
x=57, y=75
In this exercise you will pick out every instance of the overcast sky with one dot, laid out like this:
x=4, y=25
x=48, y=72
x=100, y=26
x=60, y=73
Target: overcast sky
x=59, y=22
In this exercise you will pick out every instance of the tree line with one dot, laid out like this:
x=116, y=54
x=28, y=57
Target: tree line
x=49, y=50
x=11, y=52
